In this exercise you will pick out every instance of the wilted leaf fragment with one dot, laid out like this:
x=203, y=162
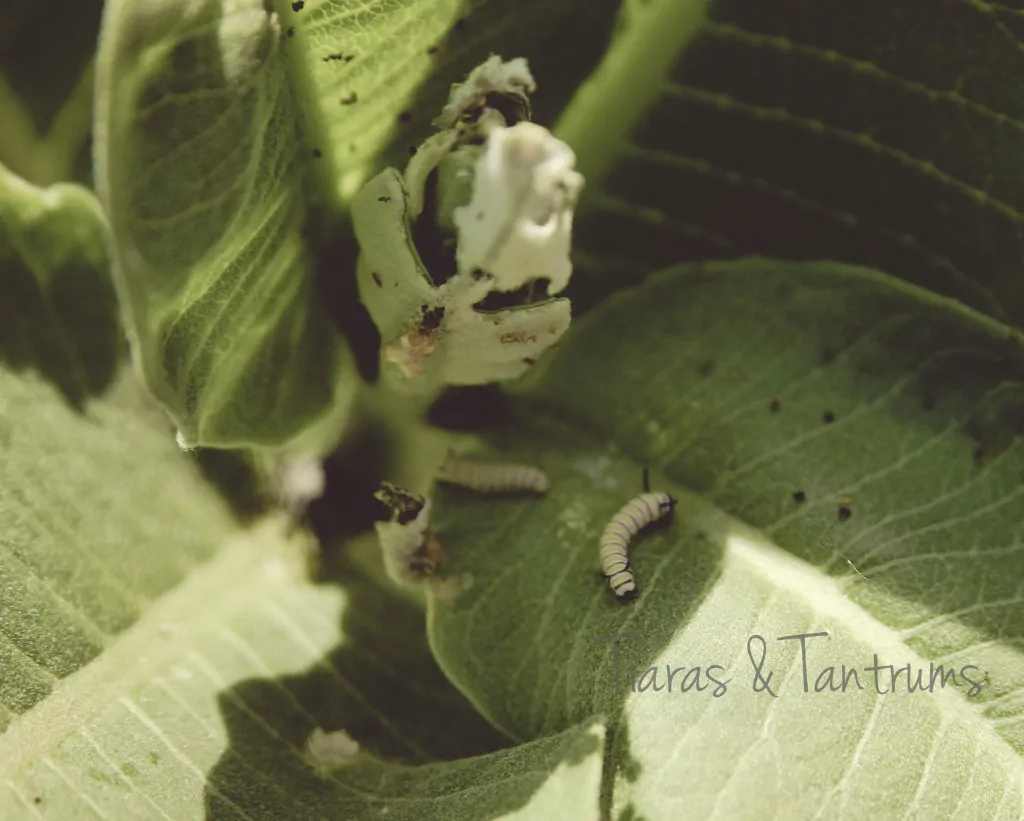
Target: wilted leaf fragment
x=199, y=162
x=495, y=224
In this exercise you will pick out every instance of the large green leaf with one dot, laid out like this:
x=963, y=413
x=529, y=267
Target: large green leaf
x=200, y=160
x=848, y=455
x=870, y=133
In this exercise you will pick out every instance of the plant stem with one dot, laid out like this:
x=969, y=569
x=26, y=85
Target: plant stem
x=628, y=80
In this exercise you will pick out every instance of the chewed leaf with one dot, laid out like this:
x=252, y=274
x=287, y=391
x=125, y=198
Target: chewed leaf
x=502, y=345
x=487, y=204
x=847, y=453
x=393, y=283
x=518, y=225
x=199, y=165
x=493, y=76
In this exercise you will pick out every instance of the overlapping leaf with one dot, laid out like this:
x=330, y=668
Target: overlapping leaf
x=199, y=164
x=848, y=455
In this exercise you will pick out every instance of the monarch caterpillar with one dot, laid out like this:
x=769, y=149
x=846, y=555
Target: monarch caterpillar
x=631, y=518
x=493, y=477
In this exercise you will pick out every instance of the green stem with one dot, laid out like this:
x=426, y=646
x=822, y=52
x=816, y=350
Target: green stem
x=70, y=129
x=18, y=136
x=626, y=83
x=40, y=160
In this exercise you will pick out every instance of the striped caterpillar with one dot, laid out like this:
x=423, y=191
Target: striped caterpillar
x=631, y=518
x=493, y=477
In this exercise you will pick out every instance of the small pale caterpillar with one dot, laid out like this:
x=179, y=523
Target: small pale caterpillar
x=631, y=518
x=493, y=477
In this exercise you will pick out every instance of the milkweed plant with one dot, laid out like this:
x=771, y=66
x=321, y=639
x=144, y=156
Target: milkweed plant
x=535, y=409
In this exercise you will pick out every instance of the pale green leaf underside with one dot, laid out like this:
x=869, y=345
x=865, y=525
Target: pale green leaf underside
x=866, y=132
x=924, y=446
x=199, y=166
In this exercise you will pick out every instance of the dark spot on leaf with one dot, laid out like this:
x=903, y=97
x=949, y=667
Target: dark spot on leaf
x=528, y=361
x=706, y=368
x=412, y=150
x=338, y=56
x=775, y=405
x=979, y=455
x=350, y=99
x=297, y=5
x=928, y=403
x=432, y=50
x=383, y=199
x=37, y=800
x=478, y=274
x=349, y=58
x=317, y=153
x=405, y=116
x=431, y=319
x=828, y=418
x=799, y=496
x=290, y=32
x=480, y=215
x=844, y=513
x=377, y=279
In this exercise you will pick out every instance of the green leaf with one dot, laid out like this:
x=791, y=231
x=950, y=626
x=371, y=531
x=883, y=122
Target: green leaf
x=58, y=311
x=371, y=79
x=199, y=165
x=866, y=133
x=768, y=398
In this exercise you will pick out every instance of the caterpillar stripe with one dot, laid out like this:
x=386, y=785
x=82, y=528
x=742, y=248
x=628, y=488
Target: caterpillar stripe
x=492, y=477
x=630, y=520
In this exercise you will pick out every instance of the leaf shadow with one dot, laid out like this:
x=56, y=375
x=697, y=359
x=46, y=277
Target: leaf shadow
x=381, y=686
